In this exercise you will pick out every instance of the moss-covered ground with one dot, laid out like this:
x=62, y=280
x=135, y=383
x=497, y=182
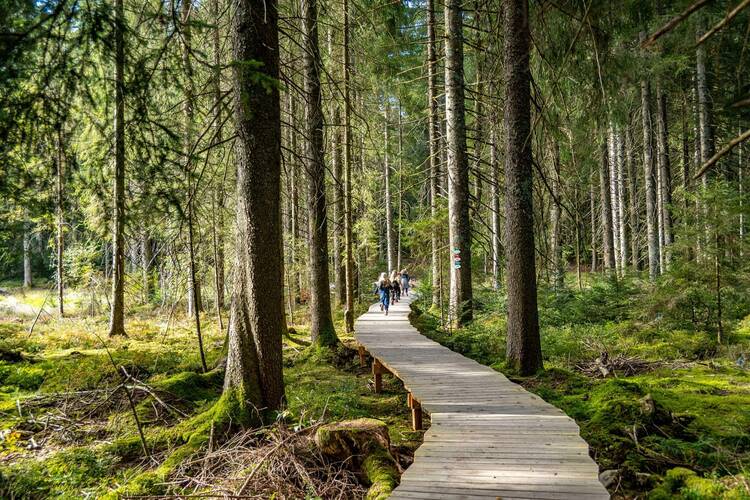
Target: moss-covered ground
x=65, y=432
x=678, y=426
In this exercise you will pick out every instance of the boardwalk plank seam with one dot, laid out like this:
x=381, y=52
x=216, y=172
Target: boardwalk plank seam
x=489, y=438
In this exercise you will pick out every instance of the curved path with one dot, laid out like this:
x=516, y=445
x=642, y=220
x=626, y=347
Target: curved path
x=489, y=437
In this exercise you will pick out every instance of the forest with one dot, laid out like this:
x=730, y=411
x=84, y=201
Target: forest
x=197, y=200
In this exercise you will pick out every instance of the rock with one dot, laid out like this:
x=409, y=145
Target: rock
x=609, y=477
x=643, y=478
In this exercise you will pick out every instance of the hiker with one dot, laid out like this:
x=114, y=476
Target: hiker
x=383, y=288
x=405, y=282
x=395, y=287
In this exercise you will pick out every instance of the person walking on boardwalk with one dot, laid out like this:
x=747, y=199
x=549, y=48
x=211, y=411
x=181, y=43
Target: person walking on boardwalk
x=395, y=287
x=405, y=282
x=383, y=288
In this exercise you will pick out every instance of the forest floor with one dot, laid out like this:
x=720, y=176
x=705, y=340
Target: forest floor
x=665, y=409
x=68, y=430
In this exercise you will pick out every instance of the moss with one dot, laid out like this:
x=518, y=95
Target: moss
x=681, y=483
x=380, y=470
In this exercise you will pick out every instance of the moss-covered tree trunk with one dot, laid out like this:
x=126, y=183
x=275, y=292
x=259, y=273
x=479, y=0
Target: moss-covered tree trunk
x=257, y=323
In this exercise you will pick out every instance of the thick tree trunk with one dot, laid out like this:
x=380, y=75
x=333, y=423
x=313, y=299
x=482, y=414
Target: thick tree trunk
x=523, y=348
x=458, y=168
x=665, y=174
x=608, y=245
x=256, y=326
x=117, y=315
x=649, y=175
x=322, y=330
x=705, y=119
x=433, y=128
x=349, y=242
x=390, y=240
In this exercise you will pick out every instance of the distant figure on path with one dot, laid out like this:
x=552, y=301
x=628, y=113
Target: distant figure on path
x=383, y=288
x=395, y=287
x=405, y=282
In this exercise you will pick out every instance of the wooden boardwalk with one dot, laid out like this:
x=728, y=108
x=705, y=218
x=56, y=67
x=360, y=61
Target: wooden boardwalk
x=489, y=437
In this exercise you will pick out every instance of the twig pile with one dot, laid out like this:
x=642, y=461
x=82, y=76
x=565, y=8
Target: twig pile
x=617, y=366
x=261, y=463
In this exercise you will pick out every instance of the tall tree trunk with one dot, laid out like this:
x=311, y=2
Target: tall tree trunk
x=622, y=201
x=608, y=245
x=146, y=266
x=633, y=205
x=256, y=325
x=558, y=272
x=339, y=269
x=390, y=240
x=322, y=330
x=349, y=243
x=295, y=218
x=665, y=174
x=496, y=227
x=60, y=221
x=523, y=348
x=592, y=211
x=433, y=128
x=117, y=315
x=614, y=168
x=400, y=188
x=458, y=168
x=649, y=174
x=705, y=119
x=28, y=280
x=194, y=302
x=219, y=194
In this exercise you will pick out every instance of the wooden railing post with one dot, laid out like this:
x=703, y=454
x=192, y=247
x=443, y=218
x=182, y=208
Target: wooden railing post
x=416, y=413
x=377, y=372
x=362, y=352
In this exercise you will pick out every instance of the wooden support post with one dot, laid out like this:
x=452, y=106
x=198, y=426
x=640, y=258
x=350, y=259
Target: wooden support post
x=416, y=413
x=377, y=372
x=362, y=352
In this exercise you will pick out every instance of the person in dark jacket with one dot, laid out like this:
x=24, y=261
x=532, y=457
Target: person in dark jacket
x=405, y=282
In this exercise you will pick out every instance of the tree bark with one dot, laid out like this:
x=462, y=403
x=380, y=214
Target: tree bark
x=649, y=175
x=614, y=168
x=558, y=272
x=523, y=347
x=434, y=138
x=665, y=174
x=322, y=330
x=256, y=326
x=349, y=243
x=219, y=194
x=117, y=314
x=390, y=241
x=60, y=221
x=458, y=168
x=496, y=226
x=608, y=245
x=622, y=201
x=146, y=266
x=339, y=269
x=592, y=211
x=28, y=280
x=633, y=204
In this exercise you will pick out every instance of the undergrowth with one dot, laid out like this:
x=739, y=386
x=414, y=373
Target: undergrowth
x=677, y=429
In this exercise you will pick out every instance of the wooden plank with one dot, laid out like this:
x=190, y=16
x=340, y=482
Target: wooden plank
x=489, y=437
